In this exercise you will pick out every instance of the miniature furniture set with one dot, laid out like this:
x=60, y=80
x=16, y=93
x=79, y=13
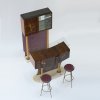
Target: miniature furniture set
x=35, y=35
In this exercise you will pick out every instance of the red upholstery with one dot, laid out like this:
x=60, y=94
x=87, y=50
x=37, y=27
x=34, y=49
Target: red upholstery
x=69, y=67
x=46, y=78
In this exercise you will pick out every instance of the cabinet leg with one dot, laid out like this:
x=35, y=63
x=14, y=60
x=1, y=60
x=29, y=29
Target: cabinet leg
x=39, y=72
x=58, y=69
x=27, y=49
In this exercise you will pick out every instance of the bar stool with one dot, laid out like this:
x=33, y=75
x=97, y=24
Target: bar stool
x=45, y=78
x=68, y=68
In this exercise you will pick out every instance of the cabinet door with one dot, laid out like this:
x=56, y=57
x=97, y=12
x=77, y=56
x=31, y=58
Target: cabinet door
x=50, y=64
x=48, y=23
x=37, y=41
x=31, y=25
x=45, y=22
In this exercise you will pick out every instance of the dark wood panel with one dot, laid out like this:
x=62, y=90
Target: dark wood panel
x=31, y=26
x=50, y=56
x=36, y=41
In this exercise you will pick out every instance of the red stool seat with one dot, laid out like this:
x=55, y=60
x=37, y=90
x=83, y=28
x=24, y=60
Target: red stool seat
x=69, y=67
x=46, y=78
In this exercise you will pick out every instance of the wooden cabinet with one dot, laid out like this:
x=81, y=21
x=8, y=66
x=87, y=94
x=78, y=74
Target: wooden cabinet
x=36, y=21
x=35, y=27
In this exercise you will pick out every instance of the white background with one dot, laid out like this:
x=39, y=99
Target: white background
x=77, y=22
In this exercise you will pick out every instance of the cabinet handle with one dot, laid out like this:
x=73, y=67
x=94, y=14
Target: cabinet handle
x=31, y=27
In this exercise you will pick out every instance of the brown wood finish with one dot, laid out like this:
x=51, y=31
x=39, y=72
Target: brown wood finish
x=51, y=56
x=34, y=30
x=35, y=42
x=31, y=23
x=31, y=26
x=22, y=26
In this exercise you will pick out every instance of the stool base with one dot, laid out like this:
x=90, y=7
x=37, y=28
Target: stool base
x=71, y=78
x=48, y=86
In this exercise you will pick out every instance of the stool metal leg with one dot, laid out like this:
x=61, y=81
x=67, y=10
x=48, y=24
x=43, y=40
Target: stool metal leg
x=48, y=86
x=50, y=89
x=71, y=79
x=64, y=76
x=41, y=89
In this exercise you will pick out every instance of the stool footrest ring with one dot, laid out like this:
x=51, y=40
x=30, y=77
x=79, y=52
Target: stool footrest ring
x=67, y=79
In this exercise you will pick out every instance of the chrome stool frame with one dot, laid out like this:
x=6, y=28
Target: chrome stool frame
x=68, y=68
x=48, y=86
x=46, y=83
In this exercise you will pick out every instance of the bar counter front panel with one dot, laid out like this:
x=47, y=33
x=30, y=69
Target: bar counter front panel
x=48, y=59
